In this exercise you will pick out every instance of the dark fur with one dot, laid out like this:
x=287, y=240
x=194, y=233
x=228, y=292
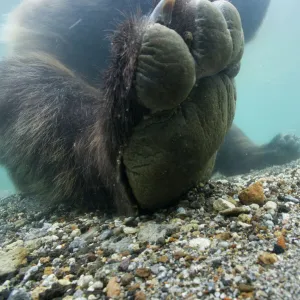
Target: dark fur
x=60, y=130
x=62, y=122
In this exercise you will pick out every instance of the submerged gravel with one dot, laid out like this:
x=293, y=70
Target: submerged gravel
x=209, y=246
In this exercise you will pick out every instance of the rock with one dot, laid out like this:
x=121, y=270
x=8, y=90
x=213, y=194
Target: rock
x=243, y=225
x=130, y=230
x=221, y=204
x=140, y=296
x=11, y=260
x=35, y=294
x=233, y=212
x=288, y=198
x=254, y=206
x=123, y=267
x=126, y=279
x=19, y=295
x=153, y=233
x=75, y=232
x=105, y=235
x=84, y=280
x=200, y=243
x=267, y=258
x=77, y=243
x=143, y=272
x=224, y=236
x=239, y=269
x=245, y=287
x=253, y=194
x=178, y=254
x=270, y=205
x=113, y=288
x=117, y=247
x=97, y=285
x=64, y=282
x=245, y=218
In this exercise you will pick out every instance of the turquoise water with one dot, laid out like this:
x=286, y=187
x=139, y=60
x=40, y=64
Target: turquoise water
x=268, y=84
x=6, y=186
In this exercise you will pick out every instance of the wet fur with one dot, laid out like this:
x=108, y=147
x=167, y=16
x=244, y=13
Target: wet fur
x=60, y=133
x=63, y=122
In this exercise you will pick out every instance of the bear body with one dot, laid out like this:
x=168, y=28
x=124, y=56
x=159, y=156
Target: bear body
x=134, y=119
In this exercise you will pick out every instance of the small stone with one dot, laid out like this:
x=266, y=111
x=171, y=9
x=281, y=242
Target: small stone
x=140, y=296
x=288, y=198
x=245, y=218
x=200, y=243
x=124, y=265
x=133, y=287
x=283, y=208
x=97, y=285
x=269, y=224
x=281, y=241
x=130, y=230
x=75, y=232
x=155, y=269
x=245, y=287
x=113, y=288
x=78, y=243
x=105, y=235
x=239, y=269
x=221, y=204
x=153, y=233
x=126, y=279
x=64, y=282
x=181, y=212
x=268, y=258
x=91, y=257
x=270, y=205
x=163, y=259
x=143, y=272
x=85, y=280
x=19, y=294
x=253, y=194
x=268, y=217
x=48, y=271
x=223, y=245
x=254, y=206
x=178, y=254
x=233, y=212
x=243, y=225
x=278, y=249
x=35, y=294
x=44, y=260
x=224, y=236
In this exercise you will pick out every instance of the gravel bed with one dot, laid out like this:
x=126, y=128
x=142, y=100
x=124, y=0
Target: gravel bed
x=231, y=238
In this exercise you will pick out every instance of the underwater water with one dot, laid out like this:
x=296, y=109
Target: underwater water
x=6, y=186
x=268, y=83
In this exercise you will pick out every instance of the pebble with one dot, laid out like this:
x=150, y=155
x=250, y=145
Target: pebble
x=235, y=211
x=84, y=281
x=19, y=294
x=221, y=204
x=176, y=253
x=270, y=205
x=253, y=194
x=200, y=243
x=130, y=230
x=75, y=232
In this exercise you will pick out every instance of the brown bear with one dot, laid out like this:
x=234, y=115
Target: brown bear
x=123, y=113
